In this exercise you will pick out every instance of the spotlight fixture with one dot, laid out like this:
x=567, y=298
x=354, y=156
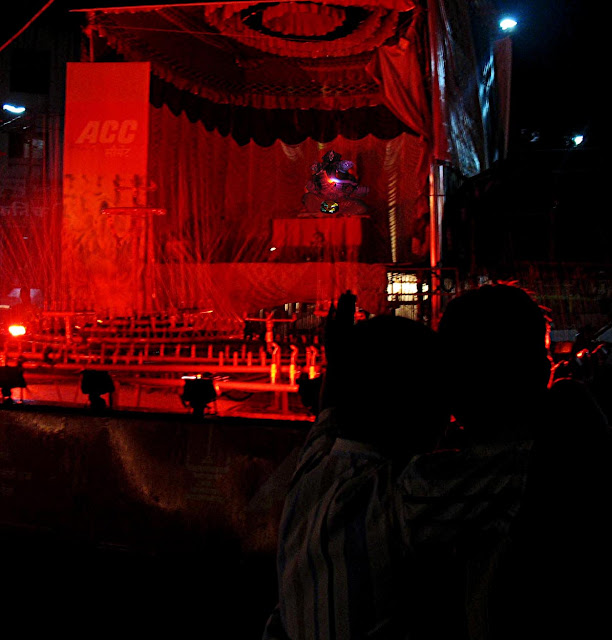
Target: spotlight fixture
x=198, y=392
x=95, y=384
x=11, y=378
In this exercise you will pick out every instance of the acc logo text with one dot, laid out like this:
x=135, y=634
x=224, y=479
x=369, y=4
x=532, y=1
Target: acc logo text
x=108, y=132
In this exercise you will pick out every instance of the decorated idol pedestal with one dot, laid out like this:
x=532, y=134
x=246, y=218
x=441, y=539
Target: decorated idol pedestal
x=333, y=222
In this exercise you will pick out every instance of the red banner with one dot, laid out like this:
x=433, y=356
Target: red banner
x=105, y=231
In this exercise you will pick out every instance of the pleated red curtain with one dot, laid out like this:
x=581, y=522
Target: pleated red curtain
x=222, y=198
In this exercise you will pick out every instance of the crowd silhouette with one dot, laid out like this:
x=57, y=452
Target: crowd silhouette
x=451, y=486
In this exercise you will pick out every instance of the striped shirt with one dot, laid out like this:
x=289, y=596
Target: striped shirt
x=448, y=495
x=340, y=565
x=457, y=509
x=353, y=554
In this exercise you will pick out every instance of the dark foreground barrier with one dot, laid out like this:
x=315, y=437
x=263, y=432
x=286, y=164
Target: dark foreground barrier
x=141, y=519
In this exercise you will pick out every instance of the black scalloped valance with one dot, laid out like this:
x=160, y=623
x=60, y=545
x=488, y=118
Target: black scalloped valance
x=264, y=126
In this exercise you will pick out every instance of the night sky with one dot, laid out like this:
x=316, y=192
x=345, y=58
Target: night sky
x=557, y=82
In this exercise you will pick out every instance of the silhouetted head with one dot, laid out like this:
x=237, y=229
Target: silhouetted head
x=389, y=386
x=495, y=341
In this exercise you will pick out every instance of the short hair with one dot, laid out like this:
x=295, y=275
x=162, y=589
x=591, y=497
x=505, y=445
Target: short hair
x=495, y=338
x=503, y=314
x=389, y=392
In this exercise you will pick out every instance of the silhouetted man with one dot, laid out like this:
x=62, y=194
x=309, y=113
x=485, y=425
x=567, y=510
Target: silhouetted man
x=515, y=516
x=342, y=569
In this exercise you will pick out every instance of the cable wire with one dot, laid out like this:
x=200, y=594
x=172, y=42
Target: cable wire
x=28, y=23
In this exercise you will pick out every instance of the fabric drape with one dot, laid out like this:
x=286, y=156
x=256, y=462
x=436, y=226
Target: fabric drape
x=399, y=70
x=221, y=200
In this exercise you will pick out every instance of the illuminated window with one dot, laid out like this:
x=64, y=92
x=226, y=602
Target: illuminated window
x=404, y=287
x=406, y=293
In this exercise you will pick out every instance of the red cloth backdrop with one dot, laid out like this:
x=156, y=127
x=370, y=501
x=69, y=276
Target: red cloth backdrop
x=398, y=69
x=231, y=291
x=221, y=199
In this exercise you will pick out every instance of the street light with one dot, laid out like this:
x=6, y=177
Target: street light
x=507, y=24
x=11, y=108
x=577, y=140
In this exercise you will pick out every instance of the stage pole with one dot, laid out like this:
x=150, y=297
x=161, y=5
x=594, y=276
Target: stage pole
x=439, y=154
x=436, y=207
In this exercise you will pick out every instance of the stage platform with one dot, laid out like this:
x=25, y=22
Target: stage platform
x=136, y=392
